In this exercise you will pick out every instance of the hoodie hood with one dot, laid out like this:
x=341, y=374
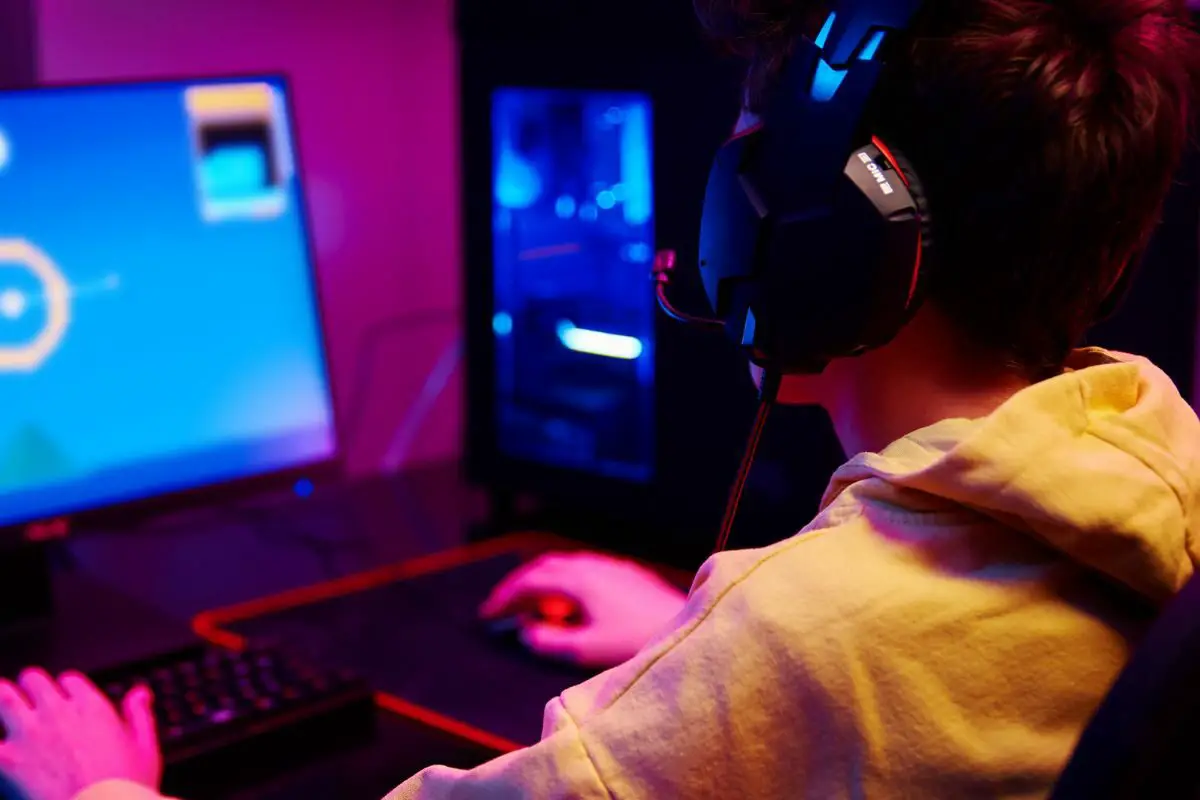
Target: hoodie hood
x=1102, y=463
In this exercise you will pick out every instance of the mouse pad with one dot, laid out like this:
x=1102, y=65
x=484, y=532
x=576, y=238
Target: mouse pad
x=413, y=630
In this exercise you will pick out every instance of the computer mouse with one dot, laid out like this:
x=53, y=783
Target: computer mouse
x=551, y=609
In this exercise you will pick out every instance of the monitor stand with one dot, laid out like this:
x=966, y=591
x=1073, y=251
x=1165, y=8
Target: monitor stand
x=58, y=617
x=26, y=592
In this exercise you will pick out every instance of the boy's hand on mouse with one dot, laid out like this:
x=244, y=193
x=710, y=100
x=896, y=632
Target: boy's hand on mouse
x=623, y=606
x=64, y=736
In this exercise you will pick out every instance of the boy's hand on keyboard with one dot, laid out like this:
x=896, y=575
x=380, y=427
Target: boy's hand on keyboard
x=64, y=736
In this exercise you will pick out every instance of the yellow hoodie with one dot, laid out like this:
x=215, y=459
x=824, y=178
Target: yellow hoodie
x=944, y=628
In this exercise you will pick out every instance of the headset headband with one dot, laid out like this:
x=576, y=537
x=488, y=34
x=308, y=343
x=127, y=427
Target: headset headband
x=809, y=241
x=822, y=97
x=855, y=25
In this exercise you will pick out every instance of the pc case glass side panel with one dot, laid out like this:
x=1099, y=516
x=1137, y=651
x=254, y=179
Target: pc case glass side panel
x=573, y=225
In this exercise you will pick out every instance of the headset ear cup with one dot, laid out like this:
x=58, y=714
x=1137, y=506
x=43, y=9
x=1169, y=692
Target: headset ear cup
x=916, y=190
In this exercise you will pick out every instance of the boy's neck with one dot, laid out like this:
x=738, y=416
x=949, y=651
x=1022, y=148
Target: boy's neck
x=925, y=375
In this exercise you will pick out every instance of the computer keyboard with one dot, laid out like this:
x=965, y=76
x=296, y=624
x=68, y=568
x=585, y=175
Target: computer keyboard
x=211, y=702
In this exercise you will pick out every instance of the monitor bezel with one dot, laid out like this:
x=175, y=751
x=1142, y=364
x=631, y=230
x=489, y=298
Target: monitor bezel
x=320, y=471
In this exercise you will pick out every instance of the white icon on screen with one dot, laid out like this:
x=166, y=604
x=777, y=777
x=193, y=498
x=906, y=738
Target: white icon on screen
x=13, y=303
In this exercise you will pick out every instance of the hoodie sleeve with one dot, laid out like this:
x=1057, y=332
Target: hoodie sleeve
x=693, y=715
x=559, y=766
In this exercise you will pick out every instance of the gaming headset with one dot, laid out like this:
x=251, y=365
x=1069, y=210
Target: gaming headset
x=813, y=231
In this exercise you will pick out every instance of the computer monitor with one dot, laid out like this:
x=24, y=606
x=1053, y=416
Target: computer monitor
x=159, y=325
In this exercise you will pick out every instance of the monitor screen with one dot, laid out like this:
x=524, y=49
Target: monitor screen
x=573, y=232
x=158, y=322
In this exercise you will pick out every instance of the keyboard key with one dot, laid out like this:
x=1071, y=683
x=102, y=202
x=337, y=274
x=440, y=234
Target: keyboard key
x=203, y=698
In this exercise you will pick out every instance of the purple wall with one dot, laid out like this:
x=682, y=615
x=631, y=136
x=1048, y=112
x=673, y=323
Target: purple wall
x=375, y=97
x=18, y=58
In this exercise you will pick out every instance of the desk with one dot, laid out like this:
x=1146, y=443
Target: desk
x=126, y=595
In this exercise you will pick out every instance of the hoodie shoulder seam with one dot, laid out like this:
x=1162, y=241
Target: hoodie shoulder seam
x=789, y=546
x=577, y=729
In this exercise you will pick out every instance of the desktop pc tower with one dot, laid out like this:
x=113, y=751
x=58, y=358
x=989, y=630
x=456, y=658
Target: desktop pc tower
x=588, y=131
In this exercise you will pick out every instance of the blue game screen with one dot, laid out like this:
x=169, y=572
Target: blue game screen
x=573, y=232
x=158, y=322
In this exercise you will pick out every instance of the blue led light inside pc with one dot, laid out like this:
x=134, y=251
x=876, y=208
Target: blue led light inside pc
x=573, y=231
